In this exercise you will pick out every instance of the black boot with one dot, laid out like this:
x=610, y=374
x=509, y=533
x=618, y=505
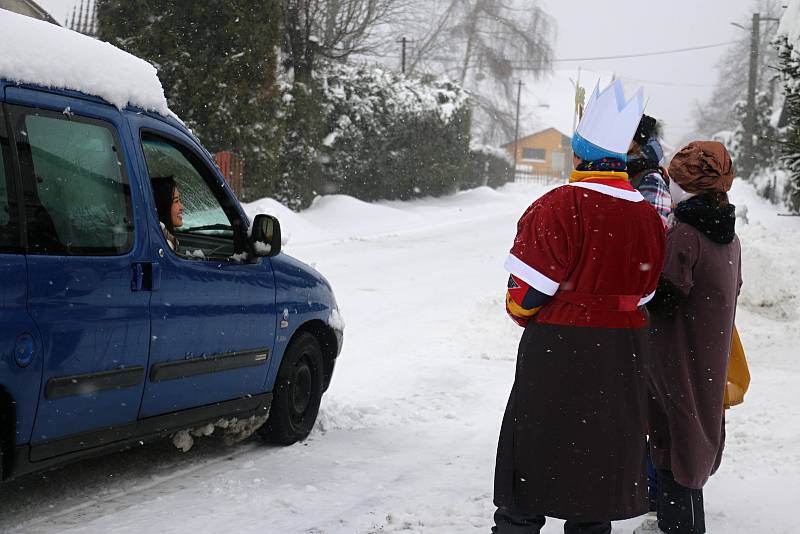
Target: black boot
x=509, y=522
x=578, y=527
x=680, y=509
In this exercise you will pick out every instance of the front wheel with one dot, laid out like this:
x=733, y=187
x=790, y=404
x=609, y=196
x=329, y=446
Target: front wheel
x=297, y=393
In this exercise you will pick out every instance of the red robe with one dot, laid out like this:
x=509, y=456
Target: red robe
x=562, y=249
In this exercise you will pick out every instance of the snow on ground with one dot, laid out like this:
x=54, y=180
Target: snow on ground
x=407, y=433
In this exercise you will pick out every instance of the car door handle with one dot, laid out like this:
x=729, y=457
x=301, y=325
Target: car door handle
x=146, y=276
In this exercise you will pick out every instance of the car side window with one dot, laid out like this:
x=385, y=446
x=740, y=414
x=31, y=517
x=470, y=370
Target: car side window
x=9, y=228
x=197, y=225
x=77, y=196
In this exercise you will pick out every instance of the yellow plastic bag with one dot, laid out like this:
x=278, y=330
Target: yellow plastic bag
x=738, y=373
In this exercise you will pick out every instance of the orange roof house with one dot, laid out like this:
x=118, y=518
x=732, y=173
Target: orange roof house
x=544, y=153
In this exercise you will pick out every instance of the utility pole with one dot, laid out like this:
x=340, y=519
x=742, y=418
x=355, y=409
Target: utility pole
x=516, y=128
x=750, y=116
x=750, y=119
x=403, y=55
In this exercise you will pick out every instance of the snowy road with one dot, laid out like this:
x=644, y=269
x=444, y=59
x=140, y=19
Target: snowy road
x=407, y=433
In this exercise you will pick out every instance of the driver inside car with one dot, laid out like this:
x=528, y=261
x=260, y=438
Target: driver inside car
x=169, y=208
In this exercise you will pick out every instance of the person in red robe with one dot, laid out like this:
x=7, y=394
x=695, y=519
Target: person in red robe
x=586, y=258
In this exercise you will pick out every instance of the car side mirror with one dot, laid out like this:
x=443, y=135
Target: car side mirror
x=265, y=236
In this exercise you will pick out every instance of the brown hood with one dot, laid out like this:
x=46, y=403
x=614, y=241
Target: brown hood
x=702, y=166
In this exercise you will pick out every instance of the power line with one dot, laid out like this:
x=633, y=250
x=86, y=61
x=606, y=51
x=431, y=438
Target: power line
x=545, y=70
x=594, y=58
x=602, y=58
x=668, y=84
x=652, y=82
x=646, y=54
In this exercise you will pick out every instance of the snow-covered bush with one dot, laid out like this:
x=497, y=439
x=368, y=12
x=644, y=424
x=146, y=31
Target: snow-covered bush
x=775, y=184
x=488, y=166
x=375, y=134
x=790, y=145
x=388, y=136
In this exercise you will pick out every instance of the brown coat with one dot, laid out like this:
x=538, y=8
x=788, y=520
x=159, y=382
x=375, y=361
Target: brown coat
x=687, y=364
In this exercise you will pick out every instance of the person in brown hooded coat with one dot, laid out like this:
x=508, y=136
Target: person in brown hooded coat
x=691, y=320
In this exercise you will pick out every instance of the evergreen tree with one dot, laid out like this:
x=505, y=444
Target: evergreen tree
x=790, y=147
x=765, y=136
x=717, y=114
x=300, y=163
x=217, y=62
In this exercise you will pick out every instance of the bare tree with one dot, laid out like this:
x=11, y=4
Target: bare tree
x=333, y=29
x=485, y=45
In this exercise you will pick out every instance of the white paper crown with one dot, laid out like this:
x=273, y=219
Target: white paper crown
x=609, y=122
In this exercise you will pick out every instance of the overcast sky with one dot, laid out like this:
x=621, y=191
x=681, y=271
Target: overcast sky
x=59, y=9
x=672, y=83
x=590, y=28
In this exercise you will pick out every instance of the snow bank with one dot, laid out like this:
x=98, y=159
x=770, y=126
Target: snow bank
x=41, y=53
x=333, y=218
x=349, y=217
x=293, y=226
x=477, y=196
x=770, y=288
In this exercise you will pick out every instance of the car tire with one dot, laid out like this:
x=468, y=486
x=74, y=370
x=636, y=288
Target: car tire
x=297, y=392
x=3, y=441
x=2, y=461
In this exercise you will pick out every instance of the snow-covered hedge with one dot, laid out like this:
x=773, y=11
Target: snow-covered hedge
x=375, y=134
x=393, y=137
x=490, y=166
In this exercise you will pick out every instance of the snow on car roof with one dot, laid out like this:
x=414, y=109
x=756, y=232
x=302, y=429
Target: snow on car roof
x=40, y=53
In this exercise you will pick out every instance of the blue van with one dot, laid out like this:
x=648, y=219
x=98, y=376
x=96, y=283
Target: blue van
x=113, y=331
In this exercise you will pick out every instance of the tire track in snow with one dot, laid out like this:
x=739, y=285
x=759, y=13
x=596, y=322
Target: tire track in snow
x=94, y=507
